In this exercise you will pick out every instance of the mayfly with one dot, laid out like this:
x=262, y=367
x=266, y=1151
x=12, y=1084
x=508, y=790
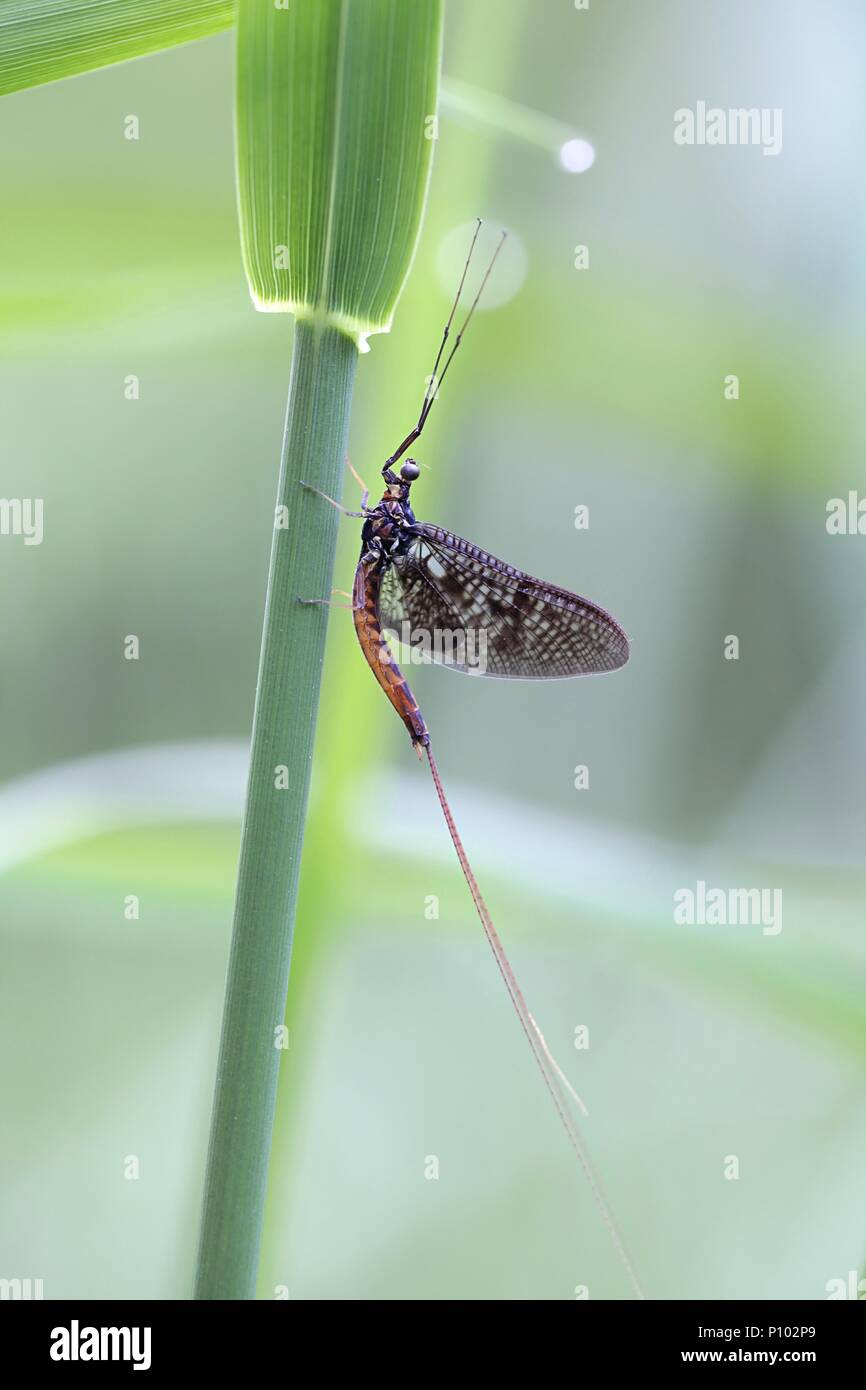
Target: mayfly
x=414, y=577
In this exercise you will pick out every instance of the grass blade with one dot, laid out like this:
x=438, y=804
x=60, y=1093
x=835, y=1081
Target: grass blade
x=331, y=199
x=43, y=40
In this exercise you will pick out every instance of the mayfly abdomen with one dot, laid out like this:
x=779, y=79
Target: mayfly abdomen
x=365, y=612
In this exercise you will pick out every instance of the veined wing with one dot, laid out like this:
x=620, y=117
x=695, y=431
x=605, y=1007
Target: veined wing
x=465, y=609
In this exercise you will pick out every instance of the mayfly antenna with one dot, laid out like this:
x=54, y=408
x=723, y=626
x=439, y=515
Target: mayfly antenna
x=458, y=340
x=435, y=381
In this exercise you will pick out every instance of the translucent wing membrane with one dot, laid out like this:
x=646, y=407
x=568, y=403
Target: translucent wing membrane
x=465, y=609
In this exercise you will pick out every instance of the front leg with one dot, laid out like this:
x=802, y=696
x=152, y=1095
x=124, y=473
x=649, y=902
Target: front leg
x=308, y=487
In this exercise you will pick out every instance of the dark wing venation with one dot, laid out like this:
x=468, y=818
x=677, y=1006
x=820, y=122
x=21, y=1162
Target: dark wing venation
x=464, y=608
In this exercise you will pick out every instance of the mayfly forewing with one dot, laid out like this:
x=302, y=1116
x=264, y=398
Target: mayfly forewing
x=469, y=610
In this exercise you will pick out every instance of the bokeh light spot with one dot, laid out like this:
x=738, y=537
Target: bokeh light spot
x=509, y=272
x=577, y=156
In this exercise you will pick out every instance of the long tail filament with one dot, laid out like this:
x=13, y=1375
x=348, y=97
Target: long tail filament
x=557, y=1083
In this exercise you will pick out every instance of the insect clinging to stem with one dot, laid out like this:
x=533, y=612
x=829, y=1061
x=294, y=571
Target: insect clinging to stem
x=415, y=577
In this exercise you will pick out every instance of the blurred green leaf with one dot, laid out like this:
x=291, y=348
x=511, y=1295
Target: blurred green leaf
x=43, y=40
x=478, y=109
x=331, y=194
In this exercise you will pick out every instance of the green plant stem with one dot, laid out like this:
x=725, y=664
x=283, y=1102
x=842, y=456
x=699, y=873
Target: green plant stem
x=287, y=696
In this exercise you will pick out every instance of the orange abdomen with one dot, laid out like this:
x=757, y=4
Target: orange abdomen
x=365, y=613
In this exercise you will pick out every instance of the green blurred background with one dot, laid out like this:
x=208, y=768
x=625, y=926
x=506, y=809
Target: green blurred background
x=601, y=387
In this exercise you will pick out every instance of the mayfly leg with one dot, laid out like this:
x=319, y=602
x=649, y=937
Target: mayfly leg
x=308, y=487
x=329, y=602
x=365, y=491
